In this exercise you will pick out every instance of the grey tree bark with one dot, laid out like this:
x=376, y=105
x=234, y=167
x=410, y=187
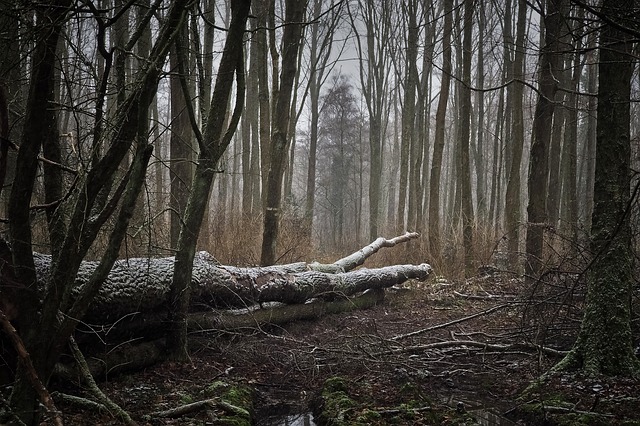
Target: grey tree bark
x=181, y=146
x=465, y=136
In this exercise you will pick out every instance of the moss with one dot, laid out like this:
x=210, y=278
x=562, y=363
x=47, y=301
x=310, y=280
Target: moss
x=186, y=398
x=236, y=399
x=336, y=402
x=368, y=415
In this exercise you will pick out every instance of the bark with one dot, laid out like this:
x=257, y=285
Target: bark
x=438, y=144
x=181, y=149
x=291, y=40
x=542, y=126
x=142, y=285
x=24, y=399
x=604, y=344
x=409, y=136
x=465, y=136
x=513, y=210
x=213, y=144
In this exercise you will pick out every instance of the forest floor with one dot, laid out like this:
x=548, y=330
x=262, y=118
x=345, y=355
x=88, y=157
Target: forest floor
x=469, y=361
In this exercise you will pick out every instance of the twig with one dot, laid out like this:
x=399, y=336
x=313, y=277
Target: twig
x=487, y=297
x=556, y=409
x=447, y=324
x=32, y=375
x=201, y=405
x=473, y=343
x=399, y=411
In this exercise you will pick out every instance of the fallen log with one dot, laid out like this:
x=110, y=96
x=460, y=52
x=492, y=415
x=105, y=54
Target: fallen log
x=132, y=301
x=126, y=322
x=141, y=285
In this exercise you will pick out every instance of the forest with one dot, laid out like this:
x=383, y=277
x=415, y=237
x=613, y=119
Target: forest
x=182, y=181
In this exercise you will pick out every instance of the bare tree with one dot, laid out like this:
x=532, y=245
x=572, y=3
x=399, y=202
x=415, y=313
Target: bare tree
x=542, y=125
x=439, y=137
x=212, y=143
x=181, y=149
x=465, y=136
x=374, y=63
x=320, y=50
x=45, y=332
x=291, y=40
x=513, y=198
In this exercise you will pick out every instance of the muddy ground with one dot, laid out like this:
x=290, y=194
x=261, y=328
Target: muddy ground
x=469, y=360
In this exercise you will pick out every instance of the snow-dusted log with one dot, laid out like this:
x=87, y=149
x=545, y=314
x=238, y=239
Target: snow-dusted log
x=297, y=288
x=141, y=285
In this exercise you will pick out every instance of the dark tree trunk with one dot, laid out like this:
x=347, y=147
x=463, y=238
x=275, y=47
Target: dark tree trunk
x=542, y=126
x=604, y=344
x=291, y=39
x=213, y=144
x=438, y=144
x=45, y=332
x=513, y=210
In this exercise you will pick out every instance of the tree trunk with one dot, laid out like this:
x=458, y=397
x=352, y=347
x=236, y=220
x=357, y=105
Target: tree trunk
x=515, y=91
x=438, y=144
x=213, y=144
x=409, y=136
x=604, y=344
x=181, y=146
x=465, y=136
x=24, y=402
x=542, y=126
x=291, y=39
x=135, y=296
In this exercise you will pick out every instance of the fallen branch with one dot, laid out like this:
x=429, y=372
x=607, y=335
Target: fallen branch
x=202, y=405
x=136, y=355
x=447, y=324
x=472, y=343
x=487, y=297
x=564, y=410
x=358, y=258
x=217, y=320
x=396, y=411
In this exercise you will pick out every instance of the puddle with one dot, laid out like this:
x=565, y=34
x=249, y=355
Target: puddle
x=299, y=419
